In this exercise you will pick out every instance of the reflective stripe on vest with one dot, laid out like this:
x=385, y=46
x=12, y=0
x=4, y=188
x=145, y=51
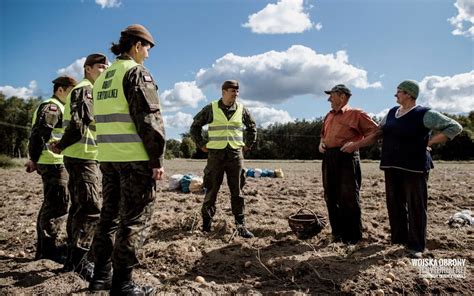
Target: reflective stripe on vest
x=117, y=137
x=47, y=156
x=86, y=147
x=223, y=131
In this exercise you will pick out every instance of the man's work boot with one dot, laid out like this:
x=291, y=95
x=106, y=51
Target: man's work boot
x=243, y=231
x=102, y=279
x=122, y=284
x=414, y=253
x=206, y=224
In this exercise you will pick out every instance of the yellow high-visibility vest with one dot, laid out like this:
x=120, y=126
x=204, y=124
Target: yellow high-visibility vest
x=117, y=137
x=86, y=147
x=47, y=156
x=223, y=131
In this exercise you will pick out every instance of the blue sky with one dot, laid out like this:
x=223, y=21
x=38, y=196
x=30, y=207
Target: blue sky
x=284, y=52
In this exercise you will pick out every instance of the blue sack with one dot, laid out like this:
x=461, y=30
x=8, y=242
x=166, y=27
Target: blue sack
x=185, y=182
x=250, y=173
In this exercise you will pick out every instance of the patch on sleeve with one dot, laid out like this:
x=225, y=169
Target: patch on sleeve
x=53, y=107
x=147, y=78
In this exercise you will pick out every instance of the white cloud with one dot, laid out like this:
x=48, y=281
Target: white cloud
x=183, y=94
x=108, y=3
x=21, y=92
x=274, y=76
x=450, y=94
x=465, y=16
x=264, y=116
x=261, y=113
x=286, y=16
x=178, y=120
x=318, y=26
x=251, y=104
x=76, y=69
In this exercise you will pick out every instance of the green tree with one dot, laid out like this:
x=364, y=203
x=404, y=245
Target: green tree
x=187, y=147
x=172, y=149
x=15, y=114
x=293, y=140
x=462, y=146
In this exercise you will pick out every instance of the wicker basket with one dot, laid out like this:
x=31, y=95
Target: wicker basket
x=306, y=225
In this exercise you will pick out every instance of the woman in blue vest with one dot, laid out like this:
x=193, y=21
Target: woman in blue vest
x=130, y=141
x=406, y=134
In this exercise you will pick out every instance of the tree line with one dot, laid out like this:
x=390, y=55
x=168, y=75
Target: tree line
x=15, y=123
x=300, y=140
x=292, y=140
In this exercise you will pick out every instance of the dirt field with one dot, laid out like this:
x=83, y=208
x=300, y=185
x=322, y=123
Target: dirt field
x=275, y=262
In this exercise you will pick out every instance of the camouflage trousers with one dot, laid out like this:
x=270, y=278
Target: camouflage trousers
x=128, y=196
x=53, y=211
x=84, y=211
x=231, y=163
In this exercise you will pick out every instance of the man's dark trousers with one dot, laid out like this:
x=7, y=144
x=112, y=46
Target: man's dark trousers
x=341, y=181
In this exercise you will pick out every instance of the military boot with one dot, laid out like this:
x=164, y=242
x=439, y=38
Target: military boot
x=78, y=263
x=206, y=224
x=68, y=265
x=102, y=279
x=244, y=232
x=50, y=251
x=241, y=229
x=39, y=249
x=122, y=284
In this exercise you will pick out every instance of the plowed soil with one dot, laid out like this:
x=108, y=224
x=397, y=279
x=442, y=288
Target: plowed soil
x=175, y=252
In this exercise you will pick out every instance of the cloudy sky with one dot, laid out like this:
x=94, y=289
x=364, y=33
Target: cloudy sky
x=285, y=53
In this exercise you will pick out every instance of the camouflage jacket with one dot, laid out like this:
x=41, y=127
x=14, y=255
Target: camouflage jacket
x=48, y=116
x=82, y=115
x=205, y=116
x=142, y=96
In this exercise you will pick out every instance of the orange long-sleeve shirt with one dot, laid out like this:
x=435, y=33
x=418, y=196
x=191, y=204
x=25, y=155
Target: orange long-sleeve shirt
x=346, y=125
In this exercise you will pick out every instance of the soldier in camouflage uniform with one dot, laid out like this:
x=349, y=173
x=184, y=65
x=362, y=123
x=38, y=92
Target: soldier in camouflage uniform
x=226, y=119
x=46, y=128
x=131, y=142
x=80, y=158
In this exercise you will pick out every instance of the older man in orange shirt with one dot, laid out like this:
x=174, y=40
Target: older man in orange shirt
x=341, y=171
